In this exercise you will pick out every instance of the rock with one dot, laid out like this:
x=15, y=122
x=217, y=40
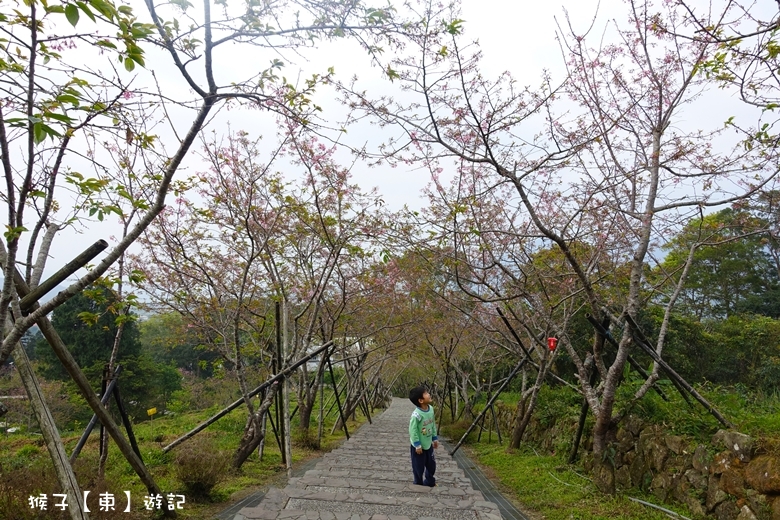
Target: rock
x=628, y=458
x=644, y=439
x=676, y=444
x=638, y=468
x=623, y=477
x=701, y=459
x=661, y=485
x=625, y=440
x=763, y=474
x=732, y=481
x=715, y=495
x=604, y=476
x=758, y=504
x=658, y=452
x=697, y=510
x=619, y=458
x=634, y=425
x=587, y=461
x=722, y=462
x=741, y=445
x=678, y=462
x=727, y=510
x=746, y=514
x=680, y=488
x=776, y=509
x=697, y=480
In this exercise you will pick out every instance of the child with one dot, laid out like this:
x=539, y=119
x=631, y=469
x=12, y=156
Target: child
x=422, y=434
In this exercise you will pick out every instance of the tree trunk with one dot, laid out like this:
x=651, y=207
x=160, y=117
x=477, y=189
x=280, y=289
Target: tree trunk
x=517, y=432
x=253, y=432
x=304, y=418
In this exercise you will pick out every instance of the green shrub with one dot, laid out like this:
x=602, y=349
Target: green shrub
x=200, y=467
x=28, y=451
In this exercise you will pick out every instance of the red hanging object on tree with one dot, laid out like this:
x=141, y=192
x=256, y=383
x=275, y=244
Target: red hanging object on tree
x=552, y=343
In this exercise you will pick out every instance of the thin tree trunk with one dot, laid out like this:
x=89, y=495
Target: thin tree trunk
x=529, y=411
x=322, y=409
x=253, y=434
x=51, y=436
x=286, y=392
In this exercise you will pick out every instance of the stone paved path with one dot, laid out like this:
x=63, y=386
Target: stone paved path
x=369, y=478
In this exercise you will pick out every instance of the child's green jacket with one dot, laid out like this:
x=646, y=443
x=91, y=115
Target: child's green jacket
x=422, y=428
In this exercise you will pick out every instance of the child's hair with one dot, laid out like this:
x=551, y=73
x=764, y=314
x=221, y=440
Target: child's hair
x=416, y=393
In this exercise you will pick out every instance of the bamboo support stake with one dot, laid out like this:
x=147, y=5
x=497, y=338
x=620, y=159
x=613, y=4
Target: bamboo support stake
x=489, y=404
x=78, y=377
x=66, y=270
x=93, y=421
x=286, y=389
x=642, y=342
x=338, y=402
x=51, y=436
x=235, y=404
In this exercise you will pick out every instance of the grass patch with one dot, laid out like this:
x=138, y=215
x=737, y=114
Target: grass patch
x=543, y=483
x=25, y=468
x=553, y=490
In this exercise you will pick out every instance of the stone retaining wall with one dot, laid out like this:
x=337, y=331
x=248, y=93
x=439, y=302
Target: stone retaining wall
x=727, y=479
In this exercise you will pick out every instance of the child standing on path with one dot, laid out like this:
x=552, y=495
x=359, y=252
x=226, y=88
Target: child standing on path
x=422, y=435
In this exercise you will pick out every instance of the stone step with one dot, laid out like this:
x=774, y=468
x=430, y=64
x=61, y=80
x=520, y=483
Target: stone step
x=369, y=477
x=292, y=503
x=252, y=513
x=394, y=460
x=456, y=479
x=386, y=488
x=400, y=472
x=390, y=460
x=377, y=445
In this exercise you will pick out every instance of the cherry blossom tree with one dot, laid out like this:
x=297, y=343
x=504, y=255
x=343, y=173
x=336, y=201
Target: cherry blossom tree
x=249, y=237
x=604, y=167
x=73, y=75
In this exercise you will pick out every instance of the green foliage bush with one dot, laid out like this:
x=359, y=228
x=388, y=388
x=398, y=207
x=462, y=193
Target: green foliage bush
x=28, y=451
x=200, y=466
x=19, y=482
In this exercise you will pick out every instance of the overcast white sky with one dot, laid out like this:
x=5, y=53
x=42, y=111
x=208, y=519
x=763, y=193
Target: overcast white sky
x=515, y=36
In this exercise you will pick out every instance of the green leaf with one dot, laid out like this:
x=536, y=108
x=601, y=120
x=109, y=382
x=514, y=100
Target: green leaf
x=137, y=58
x=455, y=26
x=87, y=11
x=104, y=8
x=39, y=134
x=72, y=14
x=14, y=233
x=59, y=117
x=67, y=98
x=392, y=74
x=90, y=318
x=129, y=64
x=106, y=43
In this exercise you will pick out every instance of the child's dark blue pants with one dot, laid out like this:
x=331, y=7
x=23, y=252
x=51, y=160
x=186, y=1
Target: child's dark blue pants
x=424, y=462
